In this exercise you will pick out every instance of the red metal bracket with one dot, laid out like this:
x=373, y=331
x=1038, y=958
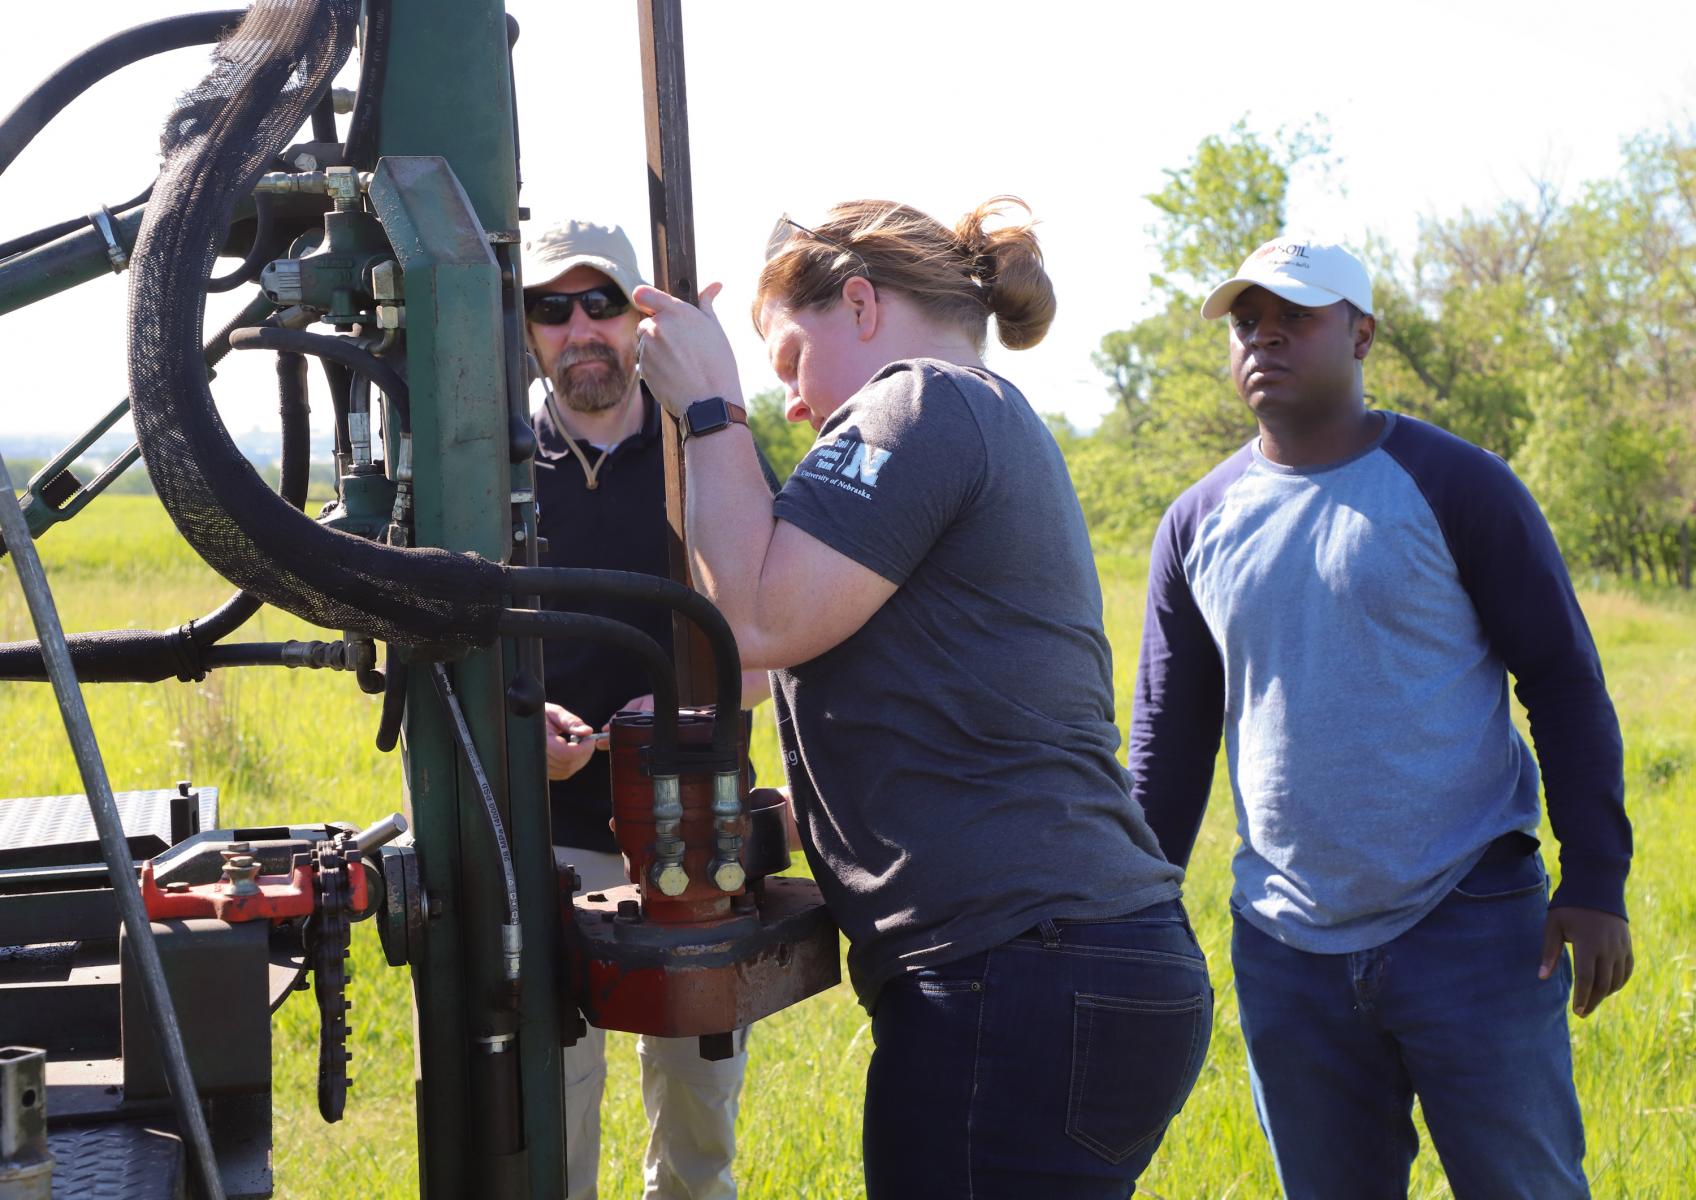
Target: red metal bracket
x=279, y=898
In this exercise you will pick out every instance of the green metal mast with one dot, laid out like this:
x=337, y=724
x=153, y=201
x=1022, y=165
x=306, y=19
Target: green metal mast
x=490, y=1116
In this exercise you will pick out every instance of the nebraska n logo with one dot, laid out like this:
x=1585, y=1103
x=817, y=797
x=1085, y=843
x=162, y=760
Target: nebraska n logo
x=864, y=463
x=846, y=458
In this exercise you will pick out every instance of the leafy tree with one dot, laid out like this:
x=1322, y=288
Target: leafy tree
x=1557, y=333
x=1175, y=413
x=784, y=443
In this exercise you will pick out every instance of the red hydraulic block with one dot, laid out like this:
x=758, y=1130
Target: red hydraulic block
x=706, y=961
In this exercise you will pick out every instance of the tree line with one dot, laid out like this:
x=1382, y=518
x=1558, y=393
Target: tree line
x=1557, y=331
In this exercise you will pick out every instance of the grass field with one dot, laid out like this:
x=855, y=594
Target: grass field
x=287, y=745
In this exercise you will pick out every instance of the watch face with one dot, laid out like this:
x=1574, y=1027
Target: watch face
x=707, y=415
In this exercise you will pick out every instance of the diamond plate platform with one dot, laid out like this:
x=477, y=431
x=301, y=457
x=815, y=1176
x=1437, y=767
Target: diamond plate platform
x=28, y=824
x=120, y=1160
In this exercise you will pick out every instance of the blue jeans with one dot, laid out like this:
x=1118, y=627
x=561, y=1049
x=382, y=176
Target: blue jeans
x=1047, y=1067
x=1451, y=1011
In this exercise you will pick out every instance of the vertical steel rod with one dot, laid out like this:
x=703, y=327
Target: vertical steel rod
x=119, y=865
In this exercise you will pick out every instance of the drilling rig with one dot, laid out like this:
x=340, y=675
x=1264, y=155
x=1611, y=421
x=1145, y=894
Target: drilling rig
x=143, y=947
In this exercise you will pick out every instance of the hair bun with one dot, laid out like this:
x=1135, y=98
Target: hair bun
x=1008, y=265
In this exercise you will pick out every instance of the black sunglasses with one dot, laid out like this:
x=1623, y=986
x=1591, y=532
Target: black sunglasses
x=555, y=308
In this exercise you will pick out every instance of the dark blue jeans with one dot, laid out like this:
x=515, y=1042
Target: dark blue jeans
x=1047, y=1067
x=1451, y=1011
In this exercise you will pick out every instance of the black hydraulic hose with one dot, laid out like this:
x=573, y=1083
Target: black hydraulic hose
x=224, y=620
x=258, y=254
x=218, y=347
x=337, y=350
x=395, y=672
x=246, y=654
x=292, y=407
x=274, y=654
x=583, y=583
x=31, y=241
x=324, y=119
x=212, y=352
x=339, y=380
x=294, y=474
x=264, y=82
x=546, y=623
x=35, y=110
x=361, y=145
x=187, y=652
x=511, y=946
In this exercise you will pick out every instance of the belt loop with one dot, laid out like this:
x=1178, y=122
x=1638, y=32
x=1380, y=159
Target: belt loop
x=1049, y=932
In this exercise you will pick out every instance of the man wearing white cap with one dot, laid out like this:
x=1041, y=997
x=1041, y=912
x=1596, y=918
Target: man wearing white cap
x=600, y=498
x=1345, y=598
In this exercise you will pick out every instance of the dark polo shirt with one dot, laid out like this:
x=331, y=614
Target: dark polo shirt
x=618, y=525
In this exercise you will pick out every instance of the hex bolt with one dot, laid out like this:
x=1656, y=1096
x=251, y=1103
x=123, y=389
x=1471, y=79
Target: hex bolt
x=241, y=871
x=629, y=912
x=729, y=876
x=670, y=878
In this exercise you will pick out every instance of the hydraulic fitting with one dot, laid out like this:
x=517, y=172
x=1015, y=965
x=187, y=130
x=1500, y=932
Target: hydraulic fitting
x=726, y=870
x=667, y=873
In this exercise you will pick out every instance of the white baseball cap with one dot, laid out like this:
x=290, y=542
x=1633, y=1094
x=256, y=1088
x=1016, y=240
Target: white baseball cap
x=1299, y=270
x=556, y=249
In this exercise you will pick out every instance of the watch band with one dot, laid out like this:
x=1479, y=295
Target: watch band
x=710, y=416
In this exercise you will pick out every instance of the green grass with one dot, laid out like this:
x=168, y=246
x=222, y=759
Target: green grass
x=289, y=745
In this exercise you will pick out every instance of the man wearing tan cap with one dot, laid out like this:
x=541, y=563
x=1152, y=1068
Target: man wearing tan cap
x=600, y=497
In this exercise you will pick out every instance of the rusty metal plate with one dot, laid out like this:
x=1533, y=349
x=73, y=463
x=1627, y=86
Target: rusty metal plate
x=690, y=980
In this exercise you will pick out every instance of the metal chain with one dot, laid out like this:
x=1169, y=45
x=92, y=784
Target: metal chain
x=332, y=942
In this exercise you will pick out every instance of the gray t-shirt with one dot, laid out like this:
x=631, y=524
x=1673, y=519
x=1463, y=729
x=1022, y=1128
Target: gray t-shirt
x=954, y=762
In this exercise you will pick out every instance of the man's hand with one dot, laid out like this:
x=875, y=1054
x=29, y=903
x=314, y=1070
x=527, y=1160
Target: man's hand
x=1601, y=953
x=567, y=757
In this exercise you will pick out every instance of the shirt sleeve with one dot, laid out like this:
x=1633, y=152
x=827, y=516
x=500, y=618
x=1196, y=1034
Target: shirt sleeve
x=1512, y=570
x=892, y=469
x=1179, y=710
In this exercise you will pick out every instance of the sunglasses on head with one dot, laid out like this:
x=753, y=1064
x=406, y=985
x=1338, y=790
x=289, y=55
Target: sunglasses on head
x=787, y=227
x=555, y=308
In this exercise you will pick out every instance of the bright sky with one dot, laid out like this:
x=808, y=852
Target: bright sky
x=1077, y=107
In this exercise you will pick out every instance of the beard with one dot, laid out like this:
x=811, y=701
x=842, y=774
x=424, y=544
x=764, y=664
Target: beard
x=598, y=386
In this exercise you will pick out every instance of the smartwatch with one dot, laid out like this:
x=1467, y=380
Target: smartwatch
x=710, y=416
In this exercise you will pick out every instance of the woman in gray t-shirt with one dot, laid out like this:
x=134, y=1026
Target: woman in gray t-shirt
x=924, y=590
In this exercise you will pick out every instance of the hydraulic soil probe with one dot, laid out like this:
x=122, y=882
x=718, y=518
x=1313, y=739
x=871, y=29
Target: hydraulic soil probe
x=142, y=946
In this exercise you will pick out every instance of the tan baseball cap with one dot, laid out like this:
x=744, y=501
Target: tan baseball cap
x=1300, y=270
x=556, y=249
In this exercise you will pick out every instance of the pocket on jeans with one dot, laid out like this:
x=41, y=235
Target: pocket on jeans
x=1133, y=1063
x=1506, y=871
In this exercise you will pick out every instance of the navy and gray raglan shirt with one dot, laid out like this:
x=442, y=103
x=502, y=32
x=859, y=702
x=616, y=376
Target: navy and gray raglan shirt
x=1351, y=629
